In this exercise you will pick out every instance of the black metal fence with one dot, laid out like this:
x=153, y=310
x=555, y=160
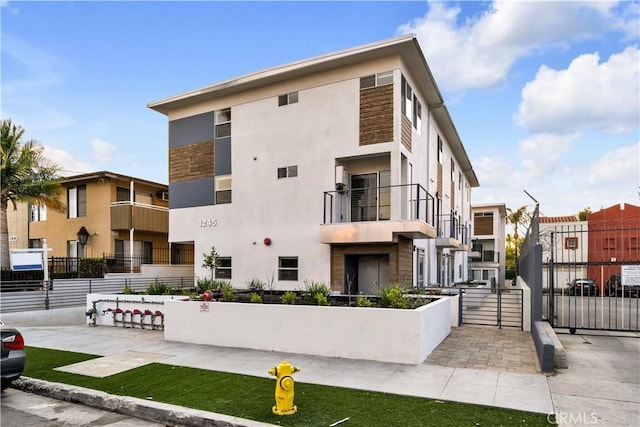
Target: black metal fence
x=63, y=293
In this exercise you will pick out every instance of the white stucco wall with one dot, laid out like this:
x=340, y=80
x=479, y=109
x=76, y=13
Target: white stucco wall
x=389, y=335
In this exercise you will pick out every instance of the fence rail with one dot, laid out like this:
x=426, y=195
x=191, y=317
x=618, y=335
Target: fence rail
x=63, y=293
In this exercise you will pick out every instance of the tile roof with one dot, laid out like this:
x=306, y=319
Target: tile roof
x=555, y=219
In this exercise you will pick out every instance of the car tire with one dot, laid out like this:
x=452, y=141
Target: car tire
x=5, y=384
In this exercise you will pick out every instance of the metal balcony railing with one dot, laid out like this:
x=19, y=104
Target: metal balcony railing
x=450, y=227
x=388, y=203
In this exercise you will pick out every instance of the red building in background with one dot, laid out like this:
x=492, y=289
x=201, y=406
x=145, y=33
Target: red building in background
x=614, y=240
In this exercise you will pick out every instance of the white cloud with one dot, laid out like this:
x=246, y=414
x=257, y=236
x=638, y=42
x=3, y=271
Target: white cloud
x=621, y=166
x=588, y=94
x=69, y=165
x=541, y=153
x=102, y=151
x=480, y=51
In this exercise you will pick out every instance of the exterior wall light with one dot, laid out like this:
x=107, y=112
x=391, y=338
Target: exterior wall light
x=83, y=236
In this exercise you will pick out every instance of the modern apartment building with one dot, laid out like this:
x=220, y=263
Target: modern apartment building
x=344, y=168
x=487, y=259
x=121, y=217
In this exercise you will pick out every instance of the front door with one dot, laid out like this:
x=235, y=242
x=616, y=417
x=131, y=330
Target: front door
x=364, y=200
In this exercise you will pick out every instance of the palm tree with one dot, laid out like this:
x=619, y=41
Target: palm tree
x=515, y=218
x=26, y=176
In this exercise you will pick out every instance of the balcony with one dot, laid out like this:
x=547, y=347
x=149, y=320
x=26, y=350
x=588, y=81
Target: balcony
x=140, y=217
x=451, y=234
x=377, y=214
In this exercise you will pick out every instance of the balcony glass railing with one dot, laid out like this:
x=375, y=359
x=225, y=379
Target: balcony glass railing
x=388, y=203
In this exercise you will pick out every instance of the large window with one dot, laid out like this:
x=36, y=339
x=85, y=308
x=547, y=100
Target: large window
x=288, y=268
x=223, y=270
x=222, y=122
x=223, y=189
x=77, y=201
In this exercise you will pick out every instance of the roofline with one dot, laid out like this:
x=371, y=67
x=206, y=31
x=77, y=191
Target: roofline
x=111, y=175
x=502, y=208
x=281, y=72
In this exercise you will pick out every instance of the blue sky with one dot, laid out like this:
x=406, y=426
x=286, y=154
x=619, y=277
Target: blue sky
x=545, y=95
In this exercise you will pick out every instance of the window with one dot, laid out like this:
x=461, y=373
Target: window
x=223, y=270
x=380, y=79
x=222, y=120
x=439, y=150
x=288, y=268
x=77, y=201
x=35, y=243
x=122, y=194
x=288, y=98
x=453, y=170
x=288, y=172
x=609, y=243
x=417, y=115
x=223, y=189
x=459, y=180
x=407, y=97
x=571, y=243
x=633, y=243
x=37, y=212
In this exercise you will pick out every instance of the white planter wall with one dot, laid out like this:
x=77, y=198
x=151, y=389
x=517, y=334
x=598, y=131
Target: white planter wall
x=126, y=302
x=387, y=335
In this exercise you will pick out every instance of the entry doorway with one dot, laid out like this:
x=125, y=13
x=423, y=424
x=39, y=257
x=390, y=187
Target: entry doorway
x=365, y=274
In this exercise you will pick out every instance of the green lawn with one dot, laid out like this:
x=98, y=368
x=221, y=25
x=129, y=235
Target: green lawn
x=252, y=397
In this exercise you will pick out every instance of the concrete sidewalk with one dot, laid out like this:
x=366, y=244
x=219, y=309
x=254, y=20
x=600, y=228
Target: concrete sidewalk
x=527, y=392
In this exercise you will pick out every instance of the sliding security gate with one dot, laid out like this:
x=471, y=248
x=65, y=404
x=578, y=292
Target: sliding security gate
x=582, y=267
x=493, y=307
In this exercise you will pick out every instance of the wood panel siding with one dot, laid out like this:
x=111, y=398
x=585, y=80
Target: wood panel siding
x=405, y=262
x=483, y=226
x=439, y=184
x=452, y=206
x=376, y=115
x=400, y=261
x=140, y=218
x=192, y=161
x=406, y=132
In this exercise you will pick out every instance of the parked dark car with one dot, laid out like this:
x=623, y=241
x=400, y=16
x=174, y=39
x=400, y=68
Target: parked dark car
x=614, y=286
x=13, y=356
x=584, y=287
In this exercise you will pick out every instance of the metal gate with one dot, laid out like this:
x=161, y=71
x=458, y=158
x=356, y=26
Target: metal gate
x=582, y=265
x=491, y=306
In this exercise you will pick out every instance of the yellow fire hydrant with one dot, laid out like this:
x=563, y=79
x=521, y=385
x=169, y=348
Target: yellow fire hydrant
x=284, y=388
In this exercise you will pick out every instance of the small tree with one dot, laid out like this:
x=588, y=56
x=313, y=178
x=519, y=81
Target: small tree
x=582, y=215
x=211, y=260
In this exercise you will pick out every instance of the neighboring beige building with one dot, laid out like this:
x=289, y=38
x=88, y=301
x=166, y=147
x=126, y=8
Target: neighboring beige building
x=488, y=257
x=122, y=215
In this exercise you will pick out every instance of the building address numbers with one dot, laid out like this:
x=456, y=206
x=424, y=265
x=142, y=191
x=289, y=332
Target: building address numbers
x=208, y=222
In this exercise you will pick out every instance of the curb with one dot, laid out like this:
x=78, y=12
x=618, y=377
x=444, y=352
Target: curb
x=163, y=413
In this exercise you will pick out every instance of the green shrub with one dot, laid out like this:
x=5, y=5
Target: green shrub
x=363, y=301
x=256, y=298
x=226, y=289
x=128, y=290
x=158, y=288
x=288, y=298
x=312, y=289
x=256, y=284
x=91, y=267
x=392, y=296
x=321, y=299
x=203, y=284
